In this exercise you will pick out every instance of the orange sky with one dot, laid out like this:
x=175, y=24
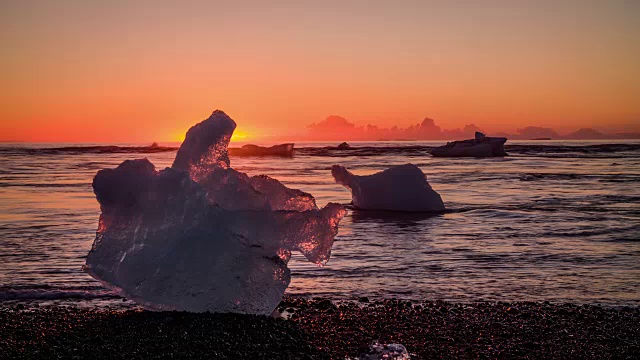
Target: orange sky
x=139, y=71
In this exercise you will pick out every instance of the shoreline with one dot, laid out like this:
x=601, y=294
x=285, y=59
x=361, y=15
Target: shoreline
x=322, y=329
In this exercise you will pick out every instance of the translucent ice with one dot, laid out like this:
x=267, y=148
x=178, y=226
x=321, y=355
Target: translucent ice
x=379, y=351
x=201, y=236
x=398, y=188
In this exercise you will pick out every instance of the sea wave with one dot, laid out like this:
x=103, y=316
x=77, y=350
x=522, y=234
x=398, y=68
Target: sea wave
x=70, y=150
x=575, y=149
x=52, y=293
x=557, y=151
x=46, y=185
x=546, y=150
x=365, y=151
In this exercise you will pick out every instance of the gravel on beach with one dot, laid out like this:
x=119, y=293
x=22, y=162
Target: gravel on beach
x=322, y=329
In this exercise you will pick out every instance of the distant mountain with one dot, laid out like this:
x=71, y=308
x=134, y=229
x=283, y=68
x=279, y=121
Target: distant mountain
x=586, y=134
x=592, y=134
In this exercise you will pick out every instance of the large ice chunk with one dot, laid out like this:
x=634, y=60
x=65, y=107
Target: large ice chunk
x=398, y=188
x=201, y=236
x=480, y=146
x=283, y=150
x=205, y=147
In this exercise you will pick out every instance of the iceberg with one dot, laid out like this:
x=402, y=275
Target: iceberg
x=284, y=150
x=398, y=188
x=481, y=146
x=201, y=236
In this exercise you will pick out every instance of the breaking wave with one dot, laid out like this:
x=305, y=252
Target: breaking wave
x=547, y=150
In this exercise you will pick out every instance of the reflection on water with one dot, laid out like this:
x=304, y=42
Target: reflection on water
x=543, y=224
x=397, y=218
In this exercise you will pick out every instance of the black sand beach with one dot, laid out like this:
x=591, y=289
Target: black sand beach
x=321, y=329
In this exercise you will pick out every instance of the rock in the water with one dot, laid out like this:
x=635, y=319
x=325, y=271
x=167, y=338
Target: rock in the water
x=284, y=150
x=398, y=188
x=344, y=146
x=201, y=236
x=481, y=146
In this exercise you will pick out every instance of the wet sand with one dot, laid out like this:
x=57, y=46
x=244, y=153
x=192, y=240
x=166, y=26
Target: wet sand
x=321, y=329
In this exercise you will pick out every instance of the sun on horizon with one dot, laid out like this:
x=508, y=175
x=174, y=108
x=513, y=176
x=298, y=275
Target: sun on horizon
x=238, y=135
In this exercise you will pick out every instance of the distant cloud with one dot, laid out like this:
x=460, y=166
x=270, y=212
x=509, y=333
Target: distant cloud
x=535, y=132
x=340, y=129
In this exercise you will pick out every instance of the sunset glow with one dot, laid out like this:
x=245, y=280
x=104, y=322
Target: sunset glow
x=320, y=179
x=240, y=135
x=140, y=71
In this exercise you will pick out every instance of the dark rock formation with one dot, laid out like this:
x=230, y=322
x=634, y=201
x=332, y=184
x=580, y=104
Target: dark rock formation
x=344, y=146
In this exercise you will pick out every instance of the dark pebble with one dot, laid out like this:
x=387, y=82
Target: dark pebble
x=321, y=330
x=326, y=304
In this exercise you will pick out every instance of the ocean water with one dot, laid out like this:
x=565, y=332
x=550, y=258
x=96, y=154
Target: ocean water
x=554, y=221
